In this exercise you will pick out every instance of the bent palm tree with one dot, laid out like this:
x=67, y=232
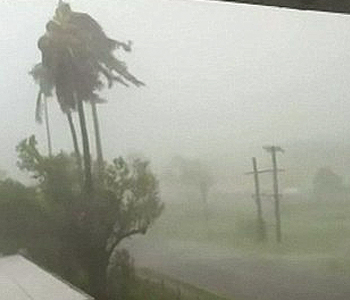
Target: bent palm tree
x=76, y=52
x=101, y=48
x=40, y=76
x=45, y=81
x=79, y=58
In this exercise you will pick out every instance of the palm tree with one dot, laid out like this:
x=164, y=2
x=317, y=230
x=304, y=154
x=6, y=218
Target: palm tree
x=76, y=52
x=99, y=152
x=45, y=81
x=75, y=144
x=101, y=48
x=41, y=77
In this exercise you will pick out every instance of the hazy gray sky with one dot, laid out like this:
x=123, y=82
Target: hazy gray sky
x=220, y=77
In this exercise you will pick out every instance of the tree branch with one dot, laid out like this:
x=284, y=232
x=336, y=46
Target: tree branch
x=124, y=235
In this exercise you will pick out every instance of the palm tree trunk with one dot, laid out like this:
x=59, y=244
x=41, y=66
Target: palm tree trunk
x=47, y=125
x=98, y=142
x=75, y=144
x=88, y=183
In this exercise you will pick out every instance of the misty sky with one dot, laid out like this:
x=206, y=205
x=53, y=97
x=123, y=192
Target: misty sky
x=221, y=78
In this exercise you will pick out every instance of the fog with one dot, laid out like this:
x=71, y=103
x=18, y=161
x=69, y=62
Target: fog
x=222, y=81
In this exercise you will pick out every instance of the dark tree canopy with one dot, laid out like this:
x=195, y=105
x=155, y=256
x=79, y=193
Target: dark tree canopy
x=79, y=236
x=76, y=52
x=326, y=183
x=77, y=61
x=84, y=214
x=128, y=203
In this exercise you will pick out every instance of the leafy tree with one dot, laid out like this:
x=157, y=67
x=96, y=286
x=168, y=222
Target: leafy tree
x=193, y=173
x=76, y=52
x=86, y=224
x=327, y=183
x=19, y=216
x=121, y=275
x=86, y=234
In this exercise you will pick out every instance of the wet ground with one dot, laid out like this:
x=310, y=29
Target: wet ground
x=240, y=276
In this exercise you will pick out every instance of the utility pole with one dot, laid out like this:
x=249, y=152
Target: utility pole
x=261, y=223
x=273, y=150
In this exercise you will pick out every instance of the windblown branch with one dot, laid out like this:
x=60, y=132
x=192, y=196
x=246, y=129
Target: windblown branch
x=117, y=238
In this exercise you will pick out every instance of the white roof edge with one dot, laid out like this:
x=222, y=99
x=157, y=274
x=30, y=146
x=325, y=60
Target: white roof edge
x=28, y=260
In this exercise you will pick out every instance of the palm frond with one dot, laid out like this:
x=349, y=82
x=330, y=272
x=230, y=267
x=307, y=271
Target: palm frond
x=43, y=78
x=126, y=46
x=76, y=52
x=120, y=80
x=121, y=68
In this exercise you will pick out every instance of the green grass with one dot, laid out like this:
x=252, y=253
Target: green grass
x=154, y=286
x=318, y=231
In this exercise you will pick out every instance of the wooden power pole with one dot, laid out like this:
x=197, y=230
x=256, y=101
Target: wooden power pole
x=273, y=150
x=261, y=224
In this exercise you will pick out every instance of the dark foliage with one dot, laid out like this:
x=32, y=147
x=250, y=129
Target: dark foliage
x=63, y=231
x=76, y=53
x=327, y=183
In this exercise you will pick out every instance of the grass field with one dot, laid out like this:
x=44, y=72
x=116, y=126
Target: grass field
x=315, y=231
x=155, y=286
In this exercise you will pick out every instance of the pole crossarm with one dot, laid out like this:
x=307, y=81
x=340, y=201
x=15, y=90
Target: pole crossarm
x=272, y=149
x=332, y=6
x=268, y=195
x=264, y=171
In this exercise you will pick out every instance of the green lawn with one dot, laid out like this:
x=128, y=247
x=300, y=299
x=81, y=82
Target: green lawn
x=311, y=229
x=154, y=286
